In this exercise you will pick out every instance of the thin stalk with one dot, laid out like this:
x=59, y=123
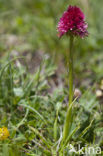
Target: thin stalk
x=70, y=76
x=68, y=119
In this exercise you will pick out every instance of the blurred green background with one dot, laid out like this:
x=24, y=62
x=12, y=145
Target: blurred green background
x=30, y=25
x=29, y=28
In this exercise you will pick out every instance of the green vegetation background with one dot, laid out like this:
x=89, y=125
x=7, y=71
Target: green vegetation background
x=32, y=88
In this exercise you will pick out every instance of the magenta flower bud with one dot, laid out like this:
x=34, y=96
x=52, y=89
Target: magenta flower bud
x=73, y=22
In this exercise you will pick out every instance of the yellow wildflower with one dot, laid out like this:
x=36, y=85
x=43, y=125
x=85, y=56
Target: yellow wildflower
x=4, y=133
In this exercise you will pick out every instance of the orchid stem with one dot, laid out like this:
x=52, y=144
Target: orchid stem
x=68, y=120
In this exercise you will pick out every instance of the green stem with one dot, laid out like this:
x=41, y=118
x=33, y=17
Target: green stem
x=68, y=120
x=70, y=65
